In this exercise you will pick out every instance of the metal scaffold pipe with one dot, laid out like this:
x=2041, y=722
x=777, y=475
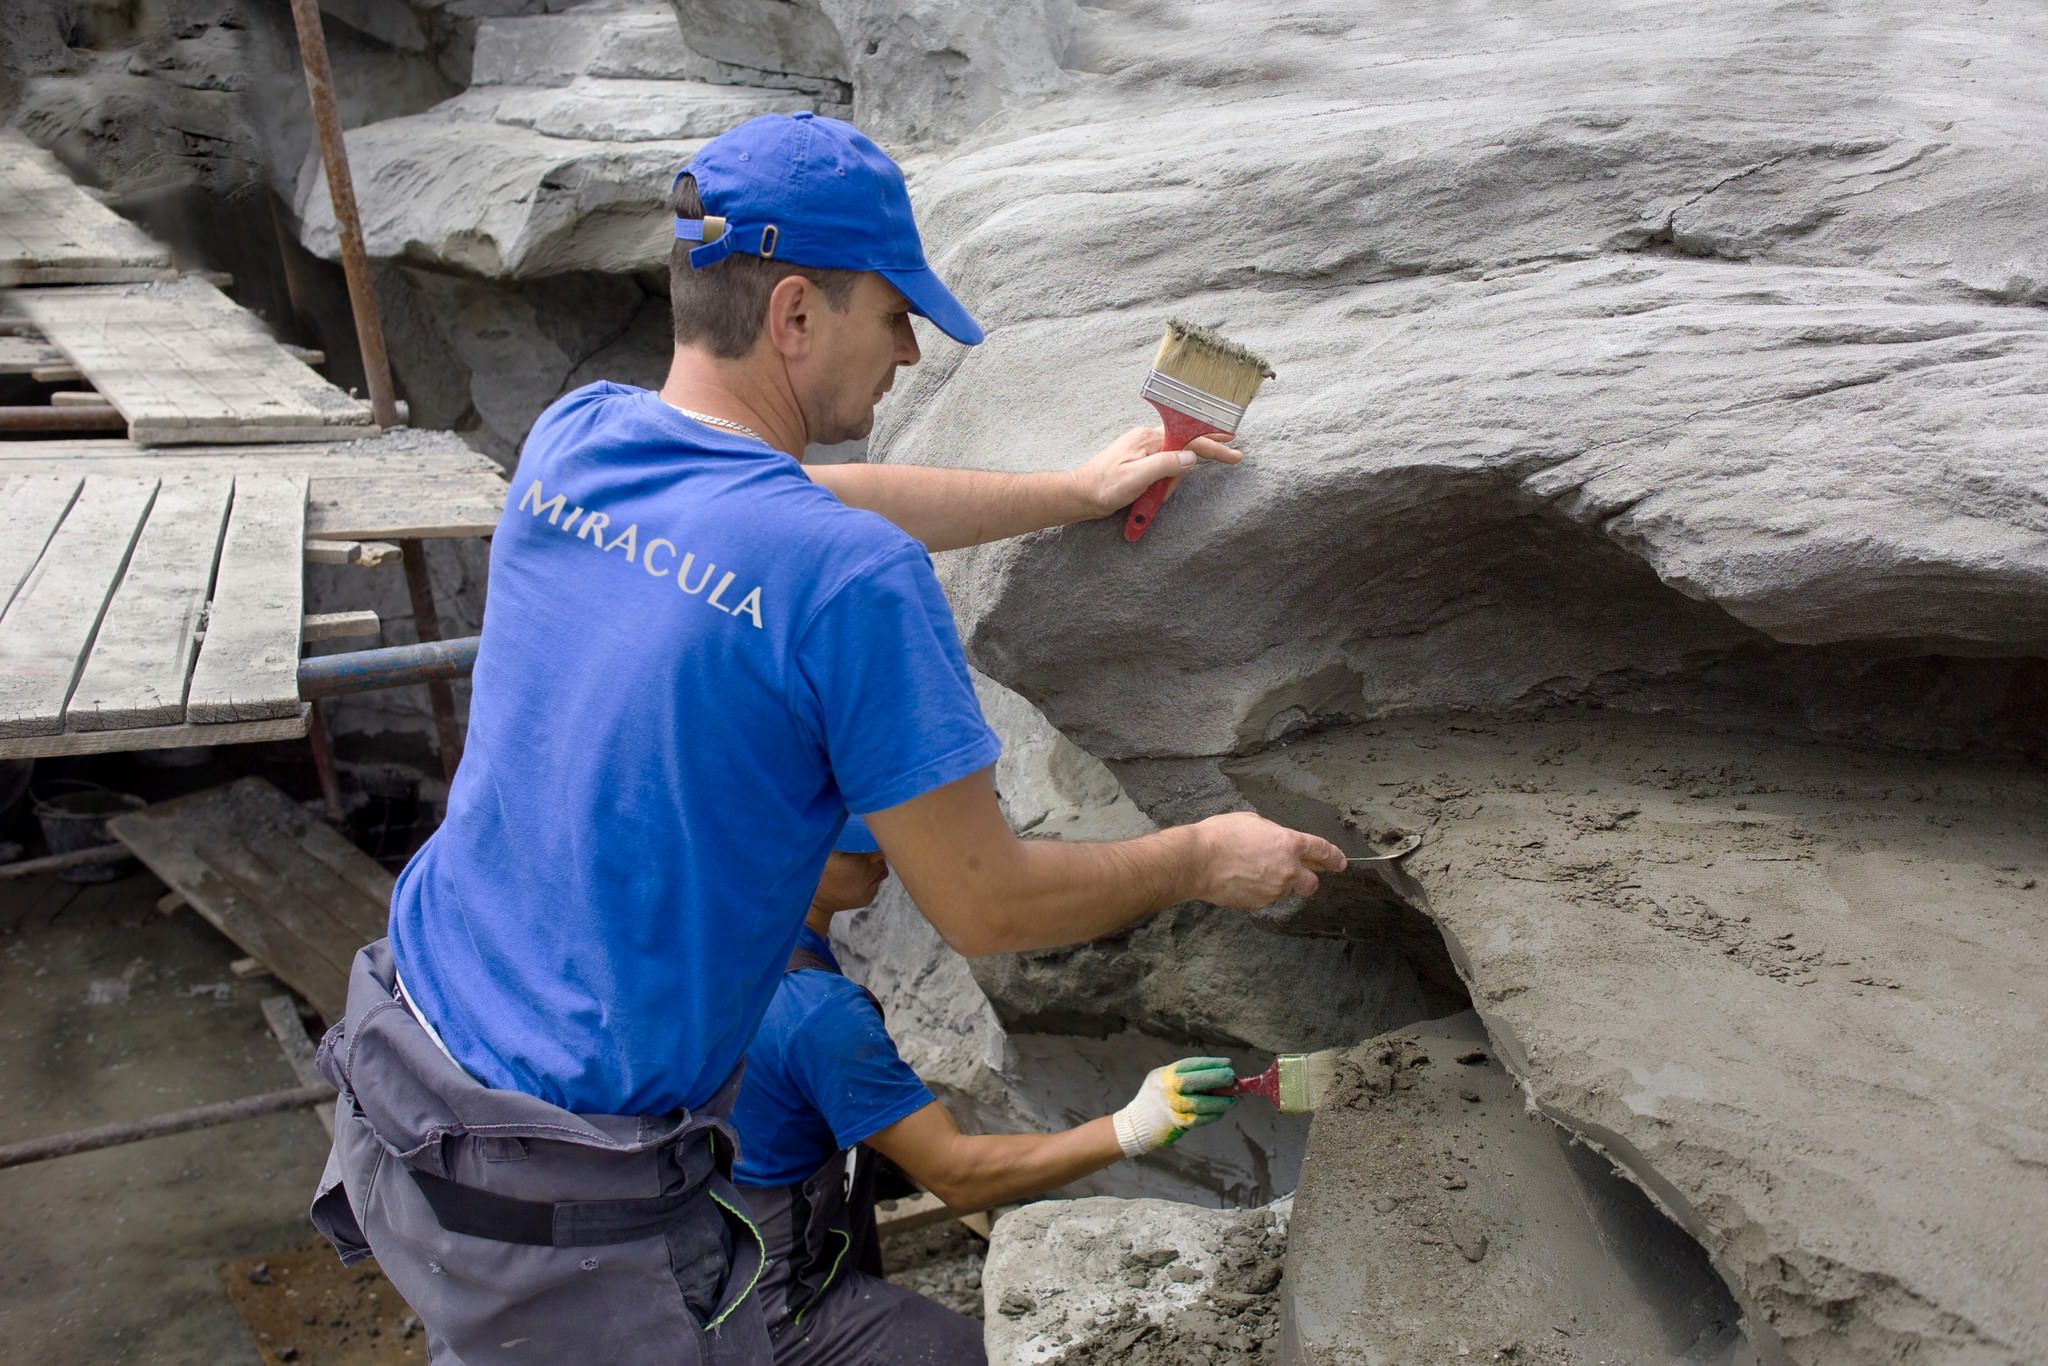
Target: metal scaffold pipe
x=391, y=667
x=355, y=261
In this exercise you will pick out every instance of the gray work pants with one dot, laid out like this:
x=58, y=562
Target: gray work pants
x=824, y=1311
x=522, y=1233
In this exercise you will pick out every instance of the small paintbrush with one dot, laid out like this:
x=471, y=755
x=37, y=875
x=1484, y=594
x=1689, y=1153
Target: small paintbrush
x=1296, y=1082
x=1200, y=383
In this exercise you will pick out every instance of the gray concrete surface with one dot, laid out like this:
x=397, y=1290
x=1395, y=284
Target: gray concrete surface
x=1440, y=1216
x=111, y=1012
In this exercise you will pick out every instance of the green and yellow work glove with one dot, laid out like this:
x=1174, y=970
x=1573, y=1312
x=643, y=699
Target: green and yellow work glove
x=1171, y=1102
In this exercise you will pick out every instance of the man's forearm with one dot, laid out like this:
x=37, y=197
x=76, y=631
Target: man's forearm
x=1041, y=894
x=950, y=508
x=986, y=891
x=1068, y=892
x=995, y=1169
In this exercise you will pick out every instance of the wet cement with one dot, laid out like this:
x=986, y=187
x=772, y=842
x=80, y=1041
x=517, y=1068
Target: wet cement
x=1793, y=988
x=1441, y=1217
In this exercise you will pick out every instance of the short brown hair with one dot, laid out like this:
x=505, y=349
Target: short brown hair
x=721, y=306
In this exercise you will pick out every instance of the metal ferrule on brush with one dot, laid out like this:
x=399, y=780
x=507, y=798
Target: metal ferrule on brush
x=1294, y=1097
x=1196, y=403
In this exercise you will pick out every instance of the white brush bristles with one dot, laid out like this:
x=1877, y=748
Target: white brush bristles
x=1216, y=365
x=1318, y=1071
x=1305, y=1079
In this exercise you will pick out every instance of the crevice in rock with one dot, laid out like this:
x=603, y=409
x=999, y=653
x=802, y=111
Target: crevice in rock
x=1621, y=1160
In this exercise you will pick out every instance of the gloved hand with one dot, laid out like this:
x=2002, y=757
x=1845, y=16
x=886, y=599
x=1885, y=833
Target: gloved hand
x=1171, y=1102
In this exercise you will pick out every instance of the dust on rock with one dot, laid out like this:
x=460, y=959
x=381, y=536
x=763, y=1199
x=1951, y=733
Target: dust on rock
x=1234, y=1324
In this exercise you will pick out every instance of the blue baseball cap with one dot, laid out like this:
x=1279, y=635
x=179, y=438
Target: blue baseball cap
x=816, y=192
x=855, y=839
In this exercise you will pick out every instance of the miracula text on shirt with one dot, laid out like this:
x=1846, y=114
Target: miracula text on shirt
x=658, y=556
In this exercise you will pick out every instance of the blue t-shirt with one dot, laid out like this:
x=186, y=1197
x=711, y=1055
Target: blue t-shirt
x=694, y=663
x=822, y=1075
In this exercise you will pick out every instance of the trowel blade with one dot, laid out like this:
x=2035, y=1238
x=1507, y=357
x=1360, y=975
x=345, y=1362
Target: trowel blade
x=1315, y=816
x=1408, y=845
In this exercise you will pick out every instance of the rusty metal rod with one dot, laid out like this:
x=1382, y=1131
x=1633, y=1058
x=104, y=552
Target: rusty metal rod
x=77, y=858
x=159, y=1126
x=355, y=262
x=83, y=417
x=323, y=763
x=426, y=621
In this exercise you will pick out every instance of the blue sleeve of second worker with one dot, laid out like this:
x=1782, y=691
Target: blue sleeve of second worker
x=848, y=1063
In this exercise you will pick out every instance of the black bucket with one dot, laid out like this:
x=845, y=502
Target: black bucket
x=73, y=816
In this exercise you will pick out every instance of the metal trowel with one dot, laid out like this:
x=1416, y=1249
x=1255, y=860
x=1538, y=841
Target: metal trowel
x=1289, y=806
x=1405, y=846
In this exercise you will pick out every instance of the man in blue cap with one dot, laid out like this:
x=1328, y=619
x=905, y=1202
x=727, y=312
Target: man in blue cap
x=825, y=1089
x=696, y=660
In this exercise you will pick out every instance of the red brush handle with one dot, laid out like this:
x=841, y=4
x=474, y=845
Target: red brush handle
x=1180, y=429
x=1266, y=1084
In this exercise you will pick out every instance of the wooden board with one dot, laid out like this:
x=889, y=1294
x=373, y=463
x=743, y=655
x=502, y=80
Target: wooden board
x=281, y=1013
x=374, y=504
x=73, y=742
x=411, y=453
x=185, y=365
x=142, y=658
x=401, y=509
x=356, y=625
x=248, y=667
x=26, y=355
x=356, y=491
x=288, y=889
x=49, y=626
x=30, y=510
x=52, y=232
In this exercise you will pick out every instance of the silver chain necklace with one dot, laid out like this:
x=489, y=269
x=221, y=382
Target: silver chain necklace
x=742, y=428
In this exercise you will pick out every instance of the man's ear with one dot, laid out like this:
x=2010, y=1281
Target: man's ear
x=792, y=310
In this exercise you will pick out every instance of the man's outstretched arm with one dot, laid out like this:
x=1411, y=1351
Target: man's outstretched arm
x=974, y=1171
x=986, y=891
x=951, y=508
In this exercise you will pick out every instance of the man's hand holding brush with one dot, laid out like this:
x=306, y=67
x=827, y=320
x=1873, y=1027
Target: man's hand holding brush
x=1111, y=479
x=949, y=508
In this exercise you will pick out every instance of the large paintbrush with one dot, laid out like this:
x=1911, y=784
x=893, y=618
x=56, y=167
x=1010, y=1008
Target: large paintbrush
x=1201, y=384
x=1296, y=1082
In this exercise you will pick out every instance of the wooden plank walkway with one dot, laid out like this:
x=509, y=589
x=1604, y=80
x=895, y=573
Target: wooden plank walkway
x=52, y=232
x=50, y=624
x=287, y=888
x=188, y=631
x=30, y=510
x=185, y=365
x=248, y=669
x=142, y=658
x=101, y=647
x=26, y=355
x=152, y=589
x=355, y=491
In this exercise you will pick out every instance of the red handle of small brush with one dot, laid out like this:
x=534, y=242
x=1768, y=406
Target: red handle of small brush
x=1266, y=1084
x=1180, y=429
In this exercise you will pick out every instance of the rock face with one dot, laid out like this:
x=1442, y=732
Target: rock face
x=923, y=71
x=557, y=157
x=1440, y=1217
x=1621, y=380
x=1786, y=986
x=1132, y=1283
x=1560, y=345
